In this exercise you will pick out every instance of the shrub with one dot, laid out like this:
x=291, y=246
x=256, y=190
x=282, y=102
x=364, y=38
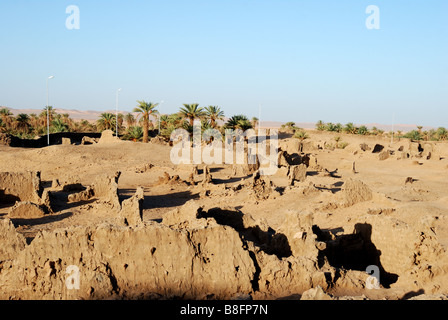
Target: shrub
x=301, y=135
x=362, y=130
x=413, y=135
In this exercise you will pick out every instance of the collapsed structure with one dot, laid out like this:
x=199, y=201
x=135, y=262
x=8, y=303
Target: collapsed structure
x=198, y=252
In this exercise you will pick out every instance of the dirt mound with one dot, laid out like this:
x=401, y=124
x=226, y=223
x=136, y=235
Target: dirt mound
x=355, y=191
x=170, y=180
x=107, y=136
x=26, y=210
x=260, y=186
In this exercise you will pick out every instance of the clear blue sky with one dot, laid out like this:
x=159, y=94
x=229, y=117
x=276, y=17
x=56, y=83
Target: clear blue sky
x=302, y=60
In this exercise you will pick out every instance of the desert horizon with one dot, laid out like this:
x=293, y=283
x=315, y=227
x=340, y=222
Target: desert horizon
x=92, y=115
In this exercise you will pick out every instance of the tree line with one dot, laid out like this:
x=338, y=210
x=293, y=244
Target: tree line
x=130, y=126
x=148, y=118
x=438, y=134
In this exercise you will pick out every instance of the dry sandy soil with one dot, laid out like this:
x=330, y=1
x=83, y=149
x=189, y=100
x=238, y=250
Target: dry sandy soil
x=238, y=236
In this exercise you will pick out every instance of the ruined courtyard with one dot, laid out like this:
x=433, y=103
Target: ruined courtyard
x=137, y=226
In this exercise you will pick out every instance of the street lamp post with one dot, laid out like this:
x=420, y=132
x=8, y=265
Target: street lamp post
x=48, y=112
x=116, y=114
x=159, y=118
x=393, y=129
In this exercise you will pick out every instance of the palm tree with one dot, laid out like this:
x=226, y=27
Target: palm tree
x=362, y=130
x=442, y=133
x=120, y=120
x=5, y=115
x=320, y=125
x=192, y=111
x=145, y=109
x=84, y=125
x=130, y=120
x=350, y=128
x=21, y=122
x=2, y=126
x=413, y=135
x=214, y=113
x=244, y=124
x=255, y=121
x=34, y=122
x=59, y=125
x=43, y=115
x=232, y=123
x=135, y=133
x=107, y=121
x=301, y=134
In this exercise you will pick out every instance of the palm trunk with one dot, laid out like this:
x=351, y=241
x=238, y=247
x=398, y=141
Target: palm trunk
x=145, y=128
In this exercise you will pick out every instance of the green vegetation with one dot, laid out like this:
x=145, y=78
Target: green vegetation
x=431, y=135
x=137, y=125
x=301, y=134
x=145, y=109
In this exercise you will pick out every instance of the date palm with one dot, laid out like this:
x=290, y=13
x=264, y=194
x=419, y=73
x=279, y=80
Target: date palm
x=135, y=133
x=320, y=125
x=130, y=120
x=21, y=122
x=192, y=111
x=145, y=109
x=235, y=121
x=5, y=116
x=59, y=125
x=244, y=124
x=255, y=122
x=214, y=113
x=106, y=121
x=350, y=128
x=441, y=133
x=43, y=115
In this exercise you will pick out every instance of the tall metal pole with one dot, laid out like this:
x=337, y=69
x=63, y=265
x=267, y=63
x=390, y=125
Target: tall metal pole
x=116, y=114
x=48, y=112
x=48, y=118
x=393, y=125
x=159, y=118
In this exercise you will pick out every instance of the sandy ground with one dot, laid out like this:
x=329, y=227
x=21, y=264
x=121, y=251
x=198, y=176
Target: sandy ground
x=386, y=178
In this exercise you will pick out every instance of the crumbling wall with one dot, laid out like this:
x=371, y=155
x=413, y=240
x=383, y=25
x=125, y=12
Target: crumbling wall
x=11, y=241
x=23, y=186
x=130, y=262
x=105, y=187
x=410, y=251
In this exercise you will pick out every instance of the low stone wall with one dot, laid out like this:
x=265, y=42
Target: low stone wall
x=55, y=138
